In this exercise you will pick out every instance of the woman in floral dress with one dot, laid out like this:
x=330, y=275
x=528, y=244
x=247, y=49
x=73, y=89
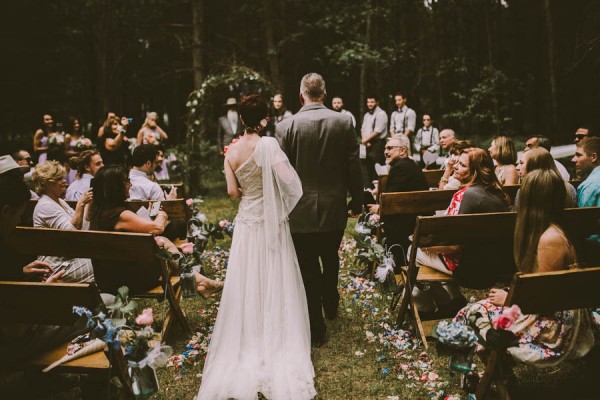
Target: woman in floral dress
x=540, y=245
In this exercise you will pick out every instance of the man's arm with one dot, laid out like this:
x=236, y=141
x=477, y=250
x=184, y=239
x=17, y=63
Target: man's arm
x=393, y=124
x=411, y=122
x=353, y=171
x=417, y=144
x=435, y=141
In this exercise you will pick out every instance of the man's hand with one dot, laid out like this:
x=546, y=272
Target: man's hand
x=37, y=270
x=172, y=195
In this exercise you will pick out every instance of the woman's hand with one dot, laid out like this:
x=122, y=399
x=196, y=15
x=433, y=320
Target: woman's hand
x=498, y=297
x=37, y=270
x=85, y=198
x=373, y=208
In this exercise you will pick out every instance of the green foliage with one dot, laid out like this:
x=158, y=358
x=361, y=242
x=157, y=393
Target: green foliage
x=123, y=307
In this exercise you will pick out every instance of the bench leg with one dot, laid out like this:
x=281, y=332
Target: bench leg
x=418, y=325
x=405, y=300
x=488, y=376
x=175, y=311
x=120, y=364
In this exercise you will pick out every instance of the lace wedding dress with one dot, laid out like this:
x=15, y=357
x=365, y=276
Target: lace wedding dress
x=261, y=338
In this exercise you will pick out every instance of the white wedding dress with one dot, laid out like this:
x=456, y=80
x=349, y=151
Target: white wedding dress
x=261, y=339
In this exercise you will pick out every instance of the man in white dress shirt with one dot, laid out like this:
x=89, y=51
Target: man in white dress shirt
x=427, y=141
x=373, y=136
x=337, y=104
x=404, y=119
x=89, y=162
x=543, y=141
x=142, y=188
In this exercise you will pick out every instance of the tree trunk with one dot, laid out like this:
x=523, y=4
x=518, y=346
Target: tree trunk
x=551, y=69
x=364, y=66
x=197, y=25
x=272, y=53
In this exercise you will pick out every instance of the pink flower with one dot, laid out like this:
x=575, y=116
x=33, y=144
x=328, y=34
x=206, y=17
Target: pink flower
x=223, y=223
x=187, y=248
x=502, y=321
x=513, y=311
x=159, y=241
x=189, y=202
x=145, y=318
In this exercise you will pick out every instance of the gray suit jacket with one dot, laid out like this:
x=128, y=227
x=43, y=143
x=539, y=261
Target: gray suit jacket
x=322, y=147
x=225, y=134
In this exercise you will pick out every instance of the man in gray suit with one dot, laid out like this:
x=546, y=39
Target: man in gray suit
x=230, y=125
x=322, y=147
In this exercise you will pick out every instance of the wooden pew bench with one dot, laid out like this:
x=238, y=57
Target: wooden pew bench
x=497, y=228
x=35, y=303
x=571, y=290
x=119, y=247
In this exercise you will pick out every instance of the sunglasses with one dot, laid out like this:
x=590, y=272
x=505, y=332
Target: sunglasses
x=580, y=136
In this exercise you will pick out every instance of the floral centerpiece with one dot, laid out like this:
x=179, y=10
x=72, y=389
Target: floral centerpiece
x=459, y=340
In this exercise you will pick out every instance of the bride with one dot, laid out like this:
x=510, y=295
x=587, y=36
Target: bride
x=261, y=338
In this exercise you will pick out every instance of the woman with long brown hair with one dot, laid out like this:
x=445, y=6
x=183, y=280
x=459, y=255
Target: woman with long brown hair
x=540, y=245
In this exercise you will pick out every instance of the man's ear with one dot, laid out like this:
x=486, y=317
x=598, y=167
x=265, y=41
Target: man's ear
x=301, y=99
x=595, y=159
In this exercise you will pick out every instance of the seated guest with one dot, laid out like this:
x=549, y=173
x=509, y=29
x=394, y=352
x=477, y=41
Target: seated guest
x=540, y=245
x=405, y=176
x=448, y=181
x=87, y=164
x=587, y=161
x=109, y=213
x=19, y=342
x=23, y=158
x=51, y=211
x=503, y=151
x=161, y=172
x=542, y=141
x=540, y=158
x=8, y=165
x=478, y=265
x=142, y=188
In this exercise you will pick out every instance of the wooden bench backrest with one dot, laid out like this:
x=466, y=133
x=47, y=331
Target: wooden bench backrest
x=111, y=246
x=473, y=228
x=40, y=303
x=176, y=209
x=425, y=201
x=179, y=186
x=433, y=176
x=549, y=292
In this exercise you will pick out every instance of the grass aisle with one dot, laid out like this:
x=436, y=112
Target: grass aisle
x=363, y=358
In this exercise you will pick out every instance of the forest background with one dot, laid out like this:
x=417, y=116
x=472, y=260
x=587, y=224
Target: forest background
x=482, y=67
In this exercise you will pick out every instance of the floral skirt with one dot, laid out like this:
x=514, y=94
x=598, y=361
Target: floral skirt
x=543, y=339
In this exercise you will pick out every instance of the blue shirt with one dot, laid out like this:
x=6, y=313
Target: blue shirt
x=588, y=191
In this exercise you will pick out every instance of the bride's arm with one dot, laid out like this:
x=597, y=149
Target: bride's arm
x=233, y=189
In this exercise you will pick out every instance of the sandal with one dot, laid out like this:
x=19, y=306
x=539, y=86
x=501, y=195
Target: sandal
x=207, y=291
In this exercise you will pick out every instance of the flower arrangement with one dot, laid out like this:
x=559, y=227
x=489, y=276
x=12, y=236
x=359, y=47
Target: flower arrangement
x=366, y=225
x=134, y=336
x=56, y=139
x=500, y=337
x=84, y=143
x=459, y=340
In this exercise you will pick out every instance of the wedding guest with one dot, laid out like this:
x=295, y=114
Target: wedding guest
x=109, y=213
x=427, y=142
x=540, y=158
x=587, y=163
x=18, y=341
x=541, y=244
x=280, y=112
x=9, y=166
x=76, y=143
x=503, y=151
x=544, y=142
x=230, y=125
x=24, y=160
x=337, y=104
x=448, y=181
x=109, y=116
x=480, y=192
x=373, y=134
x=40, y=138
x=142, y=188
x=51, y=211
x=113, y=142
x=161, y=171
x=151, y=133
x=86, y=165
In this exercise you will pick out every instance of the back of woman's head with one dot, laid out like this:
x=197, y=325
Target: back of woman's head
x=460, y=145
x=507, y=152
x=47, y=173
x=253, y=109
x=541, y=203
x=540, y=158
x=109, y=187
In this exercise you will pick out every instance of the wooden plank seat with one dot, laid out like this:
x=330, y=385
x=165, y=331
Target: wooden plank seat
x=122, y=247
x=571, y=290
x=496, y=228
x=35, y=303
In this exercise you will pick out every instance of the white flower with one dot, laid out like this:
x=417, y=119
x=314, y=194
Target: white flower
x=188, y=104
x=195, y=102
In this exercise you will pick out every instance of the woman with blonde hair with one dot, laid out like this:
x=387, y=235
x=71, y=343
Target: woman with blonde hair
x=541, y=244
x=51, y=211
x=540, y=158
x=504, y=152
x=151, y=133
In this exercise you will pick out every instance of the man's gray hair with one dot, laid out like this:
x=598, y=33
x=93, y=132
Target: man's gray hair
x=402, y=139
x=312, y=86
x=450, y=131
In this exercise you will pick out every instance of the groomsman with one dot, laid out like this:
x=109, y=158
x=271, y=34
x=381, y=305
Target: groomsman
x=338, y=105
x=403, y=119
x=373, y=134
x=321, y=146
x=230, y=125
x=427, y=142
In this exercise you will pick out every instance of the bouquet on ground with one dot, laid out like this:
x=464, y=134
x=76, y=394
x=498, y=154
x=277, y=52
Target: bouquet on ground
x=457, y=340
x=122, y=331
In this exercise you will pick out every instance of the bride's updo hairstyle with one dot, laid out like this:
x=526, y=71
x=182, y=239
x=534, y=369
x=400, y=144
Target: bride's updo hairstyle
x=253, y=109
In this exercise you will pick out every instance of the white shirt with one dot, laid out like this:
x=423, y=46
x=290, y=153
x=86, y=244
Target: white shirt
x=562, y=170
x=402, y=120
x=78, y=187
x=143, y=188
x=232, y=116
x=374, y=122
x=346, y=112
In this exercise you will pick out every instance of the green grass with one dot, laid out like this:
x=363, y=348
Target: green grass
x=348, y=366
